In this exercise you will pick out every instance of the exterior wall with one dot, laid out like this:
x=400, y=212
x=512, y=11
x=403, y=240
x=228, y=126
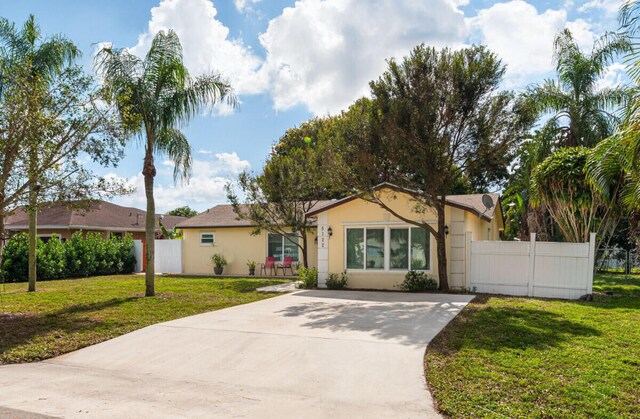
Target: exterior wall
x=236, y=244
x=360, y=213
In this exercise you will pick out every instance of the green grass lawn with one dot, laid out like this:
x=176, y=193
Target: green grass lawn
x=520, y=357
x=70, y=314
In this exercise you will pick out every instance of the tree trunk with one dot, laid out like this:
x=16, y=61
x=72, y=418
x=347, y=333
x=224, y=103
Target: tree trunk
x=32, y=211
x=33, y=237
x=149, y=172
x=441, y=248
x=305, y=259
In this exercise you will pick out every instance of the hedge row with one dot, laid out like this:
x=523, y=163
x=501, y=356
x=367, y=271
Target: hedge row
x=76, y=257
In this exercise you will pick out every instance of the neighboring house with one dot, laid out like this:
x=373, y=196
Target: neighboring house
x=375, y=248
x=97, y=217
x=218, y=230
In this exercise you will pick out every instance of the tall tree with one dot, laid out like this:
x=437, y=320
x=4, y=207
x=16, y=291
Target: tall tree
x=435, y=118
x=584, y=113
x=279, y=199
x=185, y=211
x=49, y=117
x=155, y=96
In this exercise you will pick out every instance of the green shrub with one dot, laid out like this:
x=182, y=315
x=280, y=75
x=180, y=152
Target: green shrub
x=51, y=261
x=308, y=277
x=337, y=282
x=415, y=281
x=15, y=258
x=76, y=257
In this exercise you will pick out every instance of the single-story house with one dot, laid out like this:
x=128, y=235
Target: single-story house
x=374, y=247
x=218, y=230
x=95, y=217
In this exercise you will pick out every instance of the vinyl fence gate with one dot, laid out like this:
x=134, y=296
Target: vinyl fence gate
x=168, y=256
x=534, y=269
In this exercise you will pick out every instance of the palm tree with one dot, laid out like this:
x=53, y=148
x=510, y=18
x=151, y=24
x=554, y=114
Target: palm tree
x=614, y=166
x=38, y=61
x=584, y=113
x=155, y=98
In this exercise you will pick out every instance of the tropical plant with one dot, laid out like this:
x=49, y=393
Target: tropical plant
x=521, y=217
x=218, y=260
x=584, y=113
x=155, y=96
x=577, y=208
x=251, y=264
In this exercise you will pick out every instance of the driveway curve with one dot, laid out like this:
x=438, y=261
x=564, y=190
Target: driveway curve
x=311, y=354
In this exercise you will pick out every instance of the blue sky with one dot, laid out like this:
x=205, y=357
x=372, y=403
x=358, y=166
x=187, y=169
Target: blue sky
x=289, y=61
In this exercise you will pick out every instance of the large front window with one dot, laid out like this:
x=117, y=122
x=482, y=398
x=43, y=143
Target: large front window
x=408, y=248
x=280, y=246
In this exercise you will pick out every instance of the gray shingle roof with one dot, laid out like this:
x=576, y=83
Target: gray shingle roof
x=98, y=214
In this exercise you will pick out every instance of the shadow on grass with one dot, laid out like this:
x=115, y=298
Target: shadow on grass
x=20, y=328
x=497, y=328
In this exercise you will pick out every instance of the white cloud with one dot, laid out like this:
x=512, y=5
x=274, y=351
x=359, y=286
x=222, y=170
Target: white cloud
x=244, y=6
x=609, y=7
x=614, y=76
x=205, y=188
x=206, y=44
x=523, y=38
x=322, y=54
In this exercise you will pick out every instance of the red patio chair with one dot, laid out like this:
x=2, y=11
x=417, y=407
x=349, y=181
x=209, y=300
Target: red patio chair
x=270, y=264
x=286, y=264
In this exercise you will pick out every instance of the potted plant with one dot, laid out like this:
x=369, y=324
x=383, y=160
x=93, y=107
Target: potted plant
x=219, y=262
x=251, y=264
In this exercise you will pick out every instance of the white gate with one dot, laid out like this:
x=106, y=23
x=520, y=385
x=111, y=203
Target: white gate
x=168, y=256
x=535, y=269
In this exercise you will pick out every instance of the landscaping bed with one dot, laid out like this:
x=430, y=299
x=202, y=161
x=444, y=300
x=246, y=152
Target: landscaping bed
x=65, y=315
x=521, y=357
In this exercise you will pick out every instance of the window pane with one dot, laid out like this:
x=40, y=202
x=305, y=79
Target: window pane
x=291, y=249
x=375, y=248
x=355, y=248
x=420, y=252
x=206, y=239
x=275, y=246
x=399, y=248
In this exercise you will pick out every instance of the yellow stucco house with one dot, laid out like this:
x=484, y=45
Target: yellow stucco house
x=375, y=248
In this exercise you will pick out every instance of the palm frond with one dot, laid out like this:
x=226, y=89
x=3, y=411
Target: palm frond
x=173, y=143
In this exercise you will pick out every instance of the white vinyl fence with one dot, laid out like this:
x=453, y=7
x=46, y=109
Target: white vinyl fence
x=168, y=256
x=534, y=269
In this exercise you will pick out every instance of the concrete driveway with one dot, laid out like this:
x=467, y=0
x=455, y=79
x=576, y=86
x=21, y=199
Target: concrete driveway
x=311, y=354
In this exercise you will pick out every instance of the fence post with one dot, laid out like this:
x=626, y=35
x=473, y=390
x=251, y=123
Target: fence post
x=532, y=264
x=467, y=259
x=592, y=254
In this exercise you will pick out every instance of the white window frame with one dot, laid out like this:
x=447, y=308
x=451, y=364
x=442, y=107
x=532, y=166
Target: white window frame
x=387, y=247
x=213, y=238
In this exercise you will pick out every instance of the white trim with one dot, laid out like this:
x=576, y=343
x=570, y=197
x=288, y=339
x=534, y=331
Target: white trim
x=387, y=248
x=383, y=223
x=212, y=234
